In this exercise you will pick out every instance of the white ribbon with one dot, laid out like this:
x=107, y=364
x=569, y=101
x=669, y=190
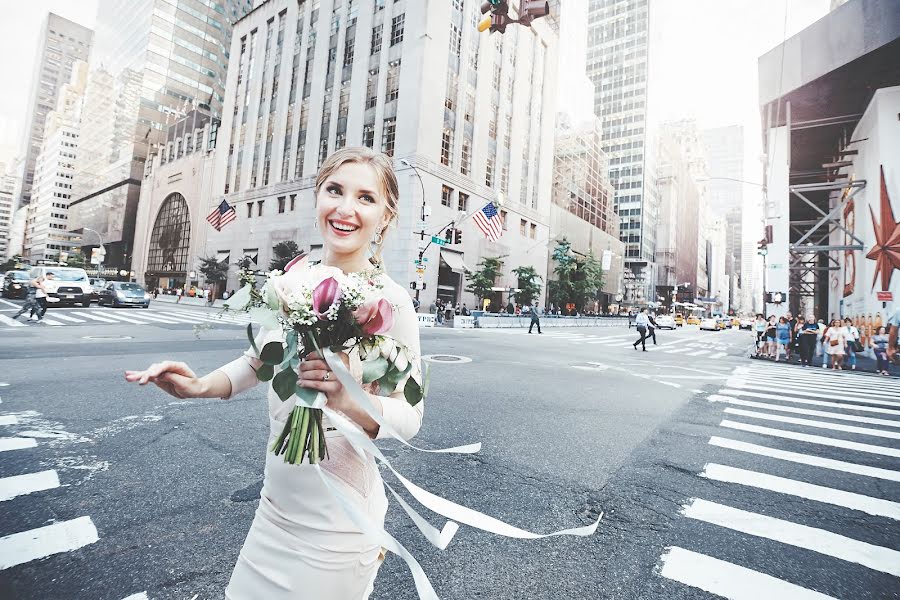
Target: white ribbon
x=456, y=512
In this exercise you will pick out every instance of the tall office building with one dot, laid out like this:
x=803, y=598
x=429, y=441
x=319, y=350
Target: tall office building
x=62, y=42
x=151, y=63
x=465, y=115
x=618, y=42
x=7, y=209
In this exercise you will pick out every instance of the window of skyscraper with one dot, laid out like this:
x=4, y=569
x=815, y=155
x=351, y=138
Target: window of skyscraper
x=397, y=29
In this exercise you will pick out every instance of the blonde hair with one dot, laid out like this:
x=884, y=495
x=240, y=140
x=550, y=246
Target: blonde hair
x=384, y=173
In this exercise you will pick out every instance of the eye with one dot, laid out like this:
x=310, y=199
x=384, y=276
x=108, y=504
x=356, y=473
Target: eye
x=333, y=189
x=368, y=199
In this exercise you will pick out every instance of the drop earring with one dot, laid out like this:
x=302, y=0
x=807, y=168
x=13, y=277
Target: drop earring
x=379, y=239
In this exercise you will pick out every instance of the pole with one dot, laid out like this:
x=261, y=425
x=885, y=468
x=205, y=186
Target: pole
x=422, y=247
x=764, y=311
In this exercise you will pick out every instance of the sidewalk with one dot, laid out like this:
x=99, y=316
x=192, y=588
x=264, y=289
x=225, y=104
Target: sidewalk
x=864, y=364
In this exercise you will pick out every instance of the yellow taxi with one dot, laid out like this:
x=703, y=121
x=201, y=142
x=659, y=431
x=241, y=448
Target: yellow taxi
x=721, y=323
x=735, y=322
x=693, y=320
x=679, y=319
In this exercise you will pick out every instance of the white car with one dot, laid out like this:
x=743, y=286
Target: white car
x=747, y=324
x=709, y=324
x=665, y=322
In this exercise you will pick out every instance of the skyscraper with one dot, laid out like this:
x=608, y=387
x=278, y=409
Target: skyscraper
x=62, y=42
x=618, y=41
x=151, y=63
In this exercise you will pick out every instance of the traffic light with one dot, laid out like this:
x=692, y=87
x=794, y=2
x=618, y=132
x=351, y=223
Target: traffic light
x=499, y=17
x=761, y=248
x=457, y=236
x=448, y=235
x=529, y=10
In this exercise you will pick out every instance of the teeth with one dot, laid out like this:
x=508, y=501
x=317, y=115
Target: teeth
x=342, y=227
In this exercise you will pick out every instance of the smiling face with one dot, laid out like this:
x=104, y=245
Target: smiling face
x=351, y=207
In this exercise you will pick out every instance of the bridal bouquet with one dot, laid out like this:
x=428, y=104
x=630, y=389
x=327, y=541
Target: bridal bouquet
x=315, y=308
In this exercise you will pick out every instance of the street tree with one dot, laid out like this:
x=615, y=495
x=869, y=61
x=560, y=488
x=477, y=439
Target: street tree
x=11, y=263
x=283, y=253
x=76, y=259
x=588, y=282
x=482, y=280
x=215, y=272
x=560, y=290
x=529, y=285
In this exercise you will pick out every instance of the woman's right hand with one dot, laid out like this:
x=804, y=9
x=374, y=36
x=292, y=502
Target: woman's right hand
x=174, y=378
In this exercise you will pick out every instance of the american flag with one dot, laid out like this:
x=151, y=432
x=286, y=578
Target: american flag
x=489, y=222
x=222, y=215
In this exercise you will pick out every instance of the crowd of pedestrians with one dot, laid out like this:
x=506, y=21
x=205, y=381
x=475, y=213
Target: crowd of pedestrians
x=839, y=342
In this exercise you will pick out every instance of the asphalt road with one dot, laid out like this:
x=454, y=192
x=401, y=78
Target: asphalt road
x=572, y=422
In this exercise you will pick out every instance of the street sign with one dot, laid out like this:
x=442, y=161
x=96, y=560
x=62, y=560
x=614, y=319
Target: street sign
x=884, y=296
x=438, y=240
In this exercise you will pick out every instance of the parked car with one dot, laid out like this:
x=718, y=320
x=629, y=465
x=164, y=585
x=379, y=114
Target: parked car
x=123, y=293
x=70, y=285
x=679, y=319
x=709, y=324
x=746, y=324
x=15, y=284
x=665, y=322
x=98, y=284
x=693, y=320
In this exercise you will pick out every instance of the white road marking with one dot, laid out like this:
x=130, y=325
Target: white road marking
x=728, y=580
x=804, y=411
x=801, y=489
x=863, y=385
x=65, y=536
x=809, y=538
x=812, y=439
x=828, y=403
x=65, y=317
x=894, y=435
x=675, y=350
x=155, y=318
x=20, y=485
x=8, y=420
x=16, y=443
x=141, y=596
x=47, y=321
x=806, y=459
x=812, y=394
x=697, y=353
x=14, y=305
x=718, y=355
x=119, y=317
x=93, y=317
x=4, y=320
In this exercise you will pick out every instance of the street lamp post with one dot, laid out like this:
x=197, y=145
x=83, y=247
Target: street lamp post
x=102, y=252
x=422, y=216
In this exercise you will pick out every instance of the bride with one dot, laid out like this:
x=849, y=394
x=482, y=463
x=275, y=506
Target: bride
x=302, y=544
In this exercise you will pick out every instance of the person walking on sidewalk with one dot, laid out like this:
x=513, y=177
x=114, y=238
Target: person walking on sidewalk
x=880, y=345
x=836, y=337
x=31, y=301
x=652, y=327
x=853, y=343
x=807, y=336
x=535, y=317
x=642, y=322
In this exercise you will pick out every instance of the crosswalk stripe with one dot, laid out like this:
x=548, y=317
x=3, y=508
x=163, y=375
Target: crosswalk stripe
x=94, y=317
x=728, y=580
x=801, y=400
x=181, y=316
x=125, y=319
x=20, y=485
x=697, y=353
x=65, y=536
x=815, y=376
x=155, y=318
x=804, y=411
x=47, y=321
x=858, y=388
x=812, y=439
x=675, y=350
x=16, y=443
x=811, y=423
x=4, y=320
x=806, y=459
x=59, y=315
x=867, y=504
x=141, y=596
x=8, y=420
x=824, y=542
x=209, y=318
x=718, y=355
x=809, y=393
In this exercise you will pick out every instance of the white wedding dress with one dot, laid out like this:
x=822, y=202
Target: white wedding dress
x=302, y=544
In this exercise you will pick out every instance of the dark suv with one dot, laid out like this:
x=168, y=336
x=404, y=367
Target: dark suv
x=15, y=284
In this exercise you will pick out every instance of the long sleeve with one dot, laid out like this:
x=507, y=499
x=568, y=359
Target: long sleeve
x=242, y=370
x=405, y=419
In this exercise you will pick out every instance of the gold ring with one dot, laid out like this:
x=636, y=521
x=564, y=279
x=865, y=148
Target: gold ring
x=326, y=376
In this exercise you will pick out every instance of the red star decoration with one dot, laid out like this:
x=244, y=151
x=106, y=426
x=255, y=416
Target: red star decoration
x=886, y=252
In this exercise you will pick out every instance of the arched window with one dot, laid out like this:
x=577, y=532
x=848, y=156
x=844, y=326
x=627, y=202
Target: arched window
x=171, y=238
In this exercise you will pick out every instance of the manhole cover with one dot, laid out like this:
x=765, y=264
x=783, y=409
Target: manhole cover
x=107, y=337
x=446, y=358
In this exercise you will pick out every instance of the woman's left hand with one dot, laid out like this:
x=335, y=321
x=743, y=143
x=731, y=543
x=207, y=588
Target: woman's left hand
x=315, y=374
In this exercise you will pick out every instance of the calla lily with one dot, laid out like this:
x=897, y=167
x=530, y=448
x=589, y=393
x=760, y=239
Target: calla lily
x=325, y=295
x=298, y=262
x=375, y=317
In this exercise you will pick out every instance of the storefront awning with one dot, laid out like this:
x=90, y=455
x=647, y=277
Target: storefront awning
x=454, y=261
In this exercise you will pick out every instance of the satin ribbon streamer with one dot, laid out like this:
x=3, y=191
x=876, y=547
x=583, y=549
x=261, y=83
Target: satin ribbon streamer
x=456, y=512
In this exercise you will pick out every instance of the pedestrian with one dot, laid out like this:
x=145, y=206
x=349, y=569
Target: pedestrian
x=792, y=326
x=535, y=317
x=807, y=334
x=880, y=346
x=32, y=306
x=465, y=310
x=823, y=329
x=652, y=327
x=893, y=325
x=853, y=342
x=771, y=331
x=510, y=309
x=178, y=292
x=448, y=312
x=782, y=338
x=641, y=321
x=836, y=337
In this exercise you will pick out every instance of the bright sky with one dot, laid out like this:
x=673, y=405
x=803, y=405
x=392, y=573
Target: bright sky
x=702, y=58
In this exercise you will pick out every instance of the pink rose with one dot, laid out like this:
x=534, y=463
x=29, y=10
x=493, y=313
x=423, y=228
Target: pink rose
x=327, y=293
x=375, y=317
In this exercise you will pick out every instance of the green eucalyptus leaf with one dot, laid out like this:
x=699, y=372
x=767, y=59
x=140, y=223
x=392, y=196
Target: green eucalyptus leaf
x=271, y=297
x=412, y=392
x=250, y=337
x=284, y=383
x=265, y=317
x=374, y=369
x=393, y=377
x=239, y=300
x=306, y=395
x=265, y=372
x=272, y=353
